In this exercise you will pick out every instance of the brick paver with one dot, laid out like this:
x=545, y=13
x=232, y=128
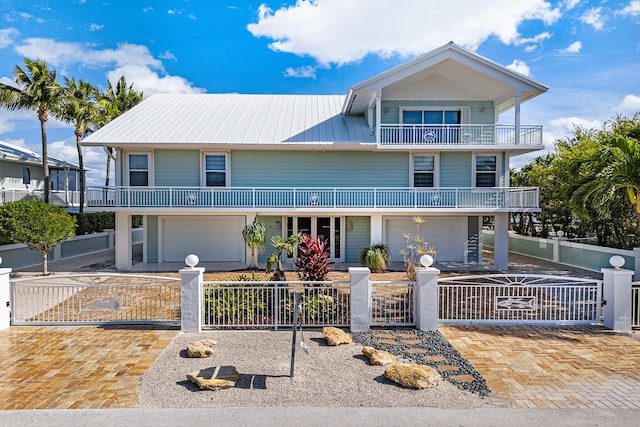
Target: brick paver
x=552, y=367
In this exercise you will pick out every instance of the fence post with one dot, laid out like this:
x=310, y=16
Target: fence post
x=617, y=295
x=5, y=296
x=360, y=299
x=191, y=295
x=426, y=298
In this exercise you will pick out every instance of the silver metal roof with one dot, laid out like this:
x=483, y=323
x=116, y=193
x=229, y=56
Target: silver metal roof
x=235, y=119
x=14, y=153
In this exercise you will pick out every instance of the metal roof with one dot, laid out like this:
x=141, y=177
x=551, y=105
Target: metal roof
x=14, y=153
x=220, y=119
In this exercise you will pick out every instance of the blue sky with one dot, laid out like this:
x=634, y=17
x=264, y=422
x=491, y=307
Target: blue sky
x=587, y=52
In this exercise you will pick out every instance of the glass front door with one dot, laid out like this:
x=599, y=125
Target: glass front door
x=327, y=228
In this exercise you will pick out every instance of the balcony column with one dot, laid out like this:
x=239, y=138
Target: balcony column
x=247, y=253
x=501, y=241
x=378, y=115
x=123, y=241
x=517, y=116
x=375, y=227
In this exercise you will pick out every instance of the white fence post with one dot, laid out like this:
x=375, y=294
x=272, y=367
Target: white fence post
x=617, y=295
x=361, y=305
x=426, y=298
x=191, y=295
x=5, y=295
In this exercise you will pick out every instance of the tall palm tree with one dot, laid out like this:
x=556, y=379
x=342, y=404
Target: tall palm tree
x=112, y=103
x=37, y=90
x=79, y=108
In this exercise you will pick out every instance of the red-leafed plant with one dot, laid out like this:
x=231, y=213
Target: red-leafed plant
x=312, y=263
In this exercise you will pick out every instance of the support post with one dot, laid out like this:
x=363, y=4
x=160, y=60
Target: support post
x=617, y=295
x=123, y=241
x=5, y=298
x=426, y=298
x=501, y=241
x=360, y=299
x=191, y=299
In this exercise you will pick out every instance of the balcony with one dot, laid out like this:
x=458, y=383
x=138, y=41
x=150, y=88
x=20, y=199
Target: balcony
x=481, y=199
x=403, y=135
x=56, y=197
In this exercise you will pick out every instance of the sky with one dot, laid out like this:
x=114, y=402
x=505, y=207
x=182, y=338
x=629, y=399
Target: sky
x=586, y=52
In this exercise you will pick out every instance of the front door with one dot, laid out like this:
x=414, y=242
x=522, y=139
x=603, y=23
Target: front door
x=327, y=228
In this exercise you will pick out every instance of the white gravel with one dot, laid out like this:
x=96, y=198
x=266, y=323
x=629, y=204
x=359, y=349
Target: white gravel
x=328, y=377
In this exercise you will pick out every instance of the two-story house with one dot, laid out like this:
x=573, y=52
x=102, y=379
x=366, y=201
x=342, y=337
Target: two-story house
x=419, y=139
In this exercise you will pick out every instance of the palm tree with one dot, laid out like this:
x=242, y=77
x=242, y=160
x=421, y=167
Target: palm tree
x=113, y=103
x=38, y=90
x=79, y=108
x=255, y=236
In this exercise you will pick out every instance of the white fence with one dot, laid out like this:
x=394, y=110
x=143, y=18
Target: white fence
x=56, y=197
x=635, y=305
x=463, y=134
x=392, y=303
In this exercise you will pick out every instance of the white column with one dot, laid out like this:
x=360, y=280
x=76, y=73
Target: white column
x=501, y=241
x=247, y=251
x=5, y=295
x=191, y=299
x=617, y=295
x=361, y=306
x=426, y=298
x=123, y=241
x=636, y=264
x=375, y=229
x=517, y=116
x=378, y=116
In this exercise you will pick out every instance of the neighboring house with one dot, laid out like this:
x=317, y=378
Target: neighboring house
x=419, y=139
x=21, y=177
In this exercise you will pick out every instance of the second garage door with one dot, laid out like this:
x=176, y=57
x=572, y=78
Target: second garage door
x=446, y=234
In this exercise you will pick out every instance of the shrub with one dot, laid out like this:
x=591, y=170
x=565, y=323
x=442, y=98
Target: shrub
x=232, y=304
x=312, y=262
x=415, y=247
x=375, y=257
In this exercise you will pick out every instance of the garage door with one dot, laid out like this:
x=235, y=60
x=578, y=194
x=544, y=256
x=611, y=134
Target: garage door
x=216, y=238
x=446, y=234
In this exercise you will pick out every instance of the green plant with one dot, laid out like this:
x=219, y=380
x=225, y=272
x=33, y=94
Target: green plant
x=275, y=259
x=239, y=303
x=255, y=236
x=415, y=247
x=312, y=262
x=375, y=257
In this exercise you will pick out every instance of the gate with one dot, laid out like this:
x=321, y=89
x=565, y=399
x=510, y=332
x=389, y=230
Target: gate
x=95, y=299
x=392, y=303
x=519, y=299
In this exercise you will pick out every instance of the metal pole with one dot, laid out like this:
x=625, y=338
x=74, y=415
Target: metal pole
x=296, y=313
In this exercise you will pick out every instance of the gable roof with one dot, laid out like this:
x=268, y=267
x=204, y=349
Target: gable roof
x=220, y=119
x=446, y=73
x=14, y=153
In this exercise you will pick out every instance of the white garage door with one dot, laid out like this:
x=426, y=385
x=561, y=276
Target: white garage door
x=446, y=234
x=216, y=238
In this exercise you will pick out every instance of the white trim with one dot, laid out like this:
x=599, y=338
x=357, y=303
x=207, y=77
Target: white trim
x=150, y=177
x=203, y=166
x=436, y=168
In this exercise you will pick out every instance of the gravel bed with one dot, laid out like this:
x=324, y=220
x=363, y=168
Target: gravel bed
x=327, y=377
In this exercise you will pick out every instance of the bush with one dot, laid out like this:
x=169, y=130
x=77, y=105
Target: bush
x=312, y=262
x=231, y=306
x=93, y=222
x=375, y=257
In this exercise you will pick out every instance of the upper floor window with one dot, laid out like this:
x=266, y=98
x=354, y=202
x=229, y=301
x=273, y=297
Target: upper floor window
x=486, y=171
x=138, y=170
x=58, y=178
x=431, y=117
x=215, y=169
x=424, y=171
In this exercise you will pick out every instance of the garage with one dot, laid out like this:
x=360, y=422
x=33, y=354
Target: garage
x=446, y=234
x=212, y=238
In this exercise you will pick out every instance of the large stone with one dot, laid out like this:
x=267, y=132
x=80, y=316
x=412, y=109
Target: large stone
x=335, y=336
x=215, y=378
x=378, y=357
x=202, y=348
x=413, y=376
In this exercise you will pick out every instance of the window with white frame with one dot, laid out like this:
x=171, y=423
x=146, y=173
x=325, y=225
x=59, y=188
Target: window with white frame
x=424, y=171
x=486, y=170
x=215, y=170
x=138, y=170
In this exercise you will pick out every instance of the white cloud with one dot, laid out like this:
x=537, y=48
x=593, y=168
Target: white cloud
x=149, y=82
x=175, y=11
x=306, y=71
x=535, y=39
x=594, y=18
x=520, y=67
x=95, y=27
x=632, y=9
x=570, y=4
x=192, y=16
x=147, y=9
x=167, y=55
x=630, y=105
x=7, y=36
x=340, y=32
x=574, y=47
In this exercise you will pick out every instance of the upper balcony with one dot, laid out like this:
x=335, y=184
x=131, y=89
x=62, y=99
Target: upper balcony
x=436, y=199
x=424, y=136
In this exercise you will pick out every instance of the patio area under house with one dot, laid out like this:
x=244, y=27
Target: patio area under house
x=422, y=138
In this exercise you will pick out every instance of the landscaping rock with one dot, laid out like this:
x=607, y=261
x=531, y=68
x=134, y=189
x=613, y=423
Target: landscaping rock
x=335, y=336
x=202, y=348
x=378, y=357
x=413, y=376
x=215, y=378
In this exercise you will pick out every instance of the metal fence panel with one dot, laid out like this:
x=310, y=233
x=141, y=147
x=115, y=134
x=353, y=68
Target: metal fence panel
x=392, y=303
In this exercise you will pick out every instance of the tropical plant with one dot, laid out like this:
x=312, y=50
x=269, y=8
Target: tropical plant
x=375, y=257
x=275, y=259
x=415, y=247
x=312, y=263
x=79, y=108
x=241, y=303
x=37, y=224
x=37, y=90
x=255, y=236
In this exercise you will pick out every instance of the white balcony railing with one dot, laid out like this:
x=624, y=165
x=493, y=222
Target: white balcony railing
x=332, y=198
x=468, y=134
x=56, y=197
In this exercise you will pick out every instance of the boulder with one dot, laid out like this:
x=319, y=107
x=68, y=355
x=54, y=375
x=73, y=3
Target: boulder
x=378, y=357
x=215, y=378
x=413, y=376
x=202, y=348
x=335, y=336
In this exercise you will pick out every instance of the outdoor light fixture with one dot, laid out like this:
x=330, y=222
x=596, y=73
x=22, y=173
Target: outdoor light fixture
x=616, y=261
x=192, y=260
x=426, y=260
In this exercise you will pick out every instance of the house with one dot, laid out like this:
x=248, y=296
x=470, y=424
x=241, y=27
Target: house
x=21, y=177
x=419, y=139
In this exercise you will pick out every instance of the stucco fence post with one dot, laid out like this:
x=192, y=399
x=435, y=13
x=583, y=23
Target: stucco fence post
x=191, y=298
x=617, y=296
x=5, y=297
x=361, y=305
x=426, y=298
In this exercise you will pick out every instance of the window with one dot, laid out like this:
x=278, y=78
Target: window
x=423, y=171
x=215, y=167
x=26, y=175
x=486, y=171
x=431, y=126
x=138, y=170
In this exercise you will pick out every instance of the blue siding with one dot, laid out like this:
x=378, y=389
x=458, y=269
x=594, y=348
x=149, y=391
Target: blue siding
x=151, y=228
x=176, y=167
x=358, y=232
x=319, y=169
x=455, y=169
x=274, y=228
